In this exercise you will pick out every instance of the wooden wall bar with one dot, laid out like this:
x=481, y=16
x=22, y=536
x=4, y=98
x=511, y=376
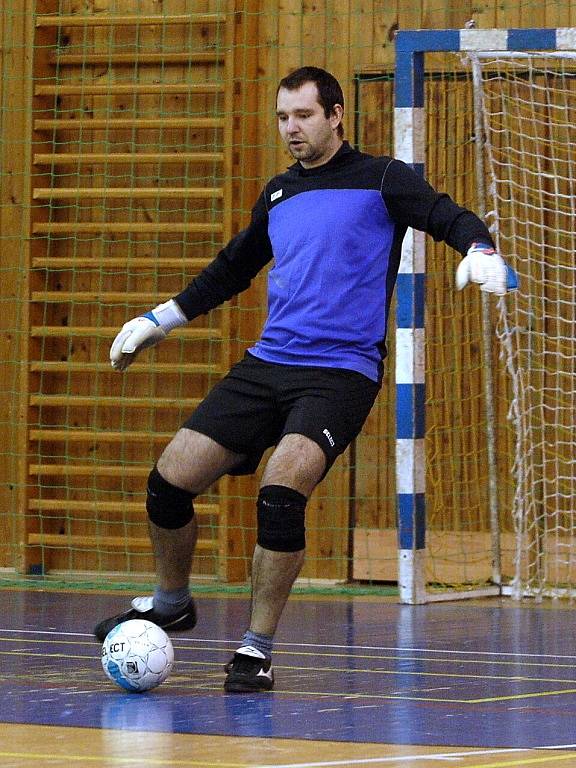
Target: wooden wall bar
x=15, y=184
x=266, y=40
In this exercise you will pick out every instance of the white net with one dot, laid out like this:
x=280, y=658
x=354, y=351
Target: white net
x=529, y=110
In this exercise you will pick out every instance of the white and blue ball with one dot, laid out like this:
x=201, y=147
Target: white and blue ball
x=137, y=655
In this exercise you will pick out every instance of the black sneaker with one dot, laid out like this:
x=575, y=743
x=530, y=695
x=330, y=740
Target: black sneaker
x=142, y=608
x=248, y=671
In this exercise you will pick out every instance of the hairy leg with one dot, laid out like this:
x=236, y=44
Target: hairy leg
x=191, y=461
x=273, y=574
x=297, y=463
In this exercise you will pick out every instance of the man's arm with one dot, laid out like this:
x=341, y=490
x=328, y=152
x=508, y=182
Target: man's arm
x=230, y=273
x=412, y=202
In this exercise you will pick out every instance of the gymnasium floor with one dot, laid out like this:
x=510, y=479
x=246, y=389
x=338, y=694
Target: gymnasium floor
x=359, y=682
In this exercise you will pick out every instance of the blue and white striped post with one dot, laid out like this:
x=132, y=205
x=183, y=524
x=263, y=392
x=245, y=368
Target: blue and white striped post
x=410, y=144
x=409, y=139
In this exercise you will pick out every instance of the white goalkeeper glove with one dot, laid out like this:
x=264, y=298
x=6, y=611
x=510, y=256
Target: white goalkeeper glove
x=484, y=266
x=143, y=332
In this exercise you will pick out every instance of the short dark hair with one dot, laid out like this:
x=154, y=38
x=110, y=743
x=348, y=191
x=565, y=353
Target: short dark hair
x=329, y=90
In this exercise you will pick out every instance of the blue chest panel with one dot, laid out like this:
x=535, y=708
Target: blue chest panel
x=327, y=289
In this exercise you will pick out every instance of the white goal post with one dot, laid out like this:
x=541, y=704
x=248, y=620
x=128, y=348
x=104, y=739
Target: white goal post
x=524, y=84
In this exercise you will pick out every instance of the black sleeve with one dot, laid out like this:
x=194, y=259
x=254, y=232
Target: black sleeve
x=233, y=269
x=412, y=202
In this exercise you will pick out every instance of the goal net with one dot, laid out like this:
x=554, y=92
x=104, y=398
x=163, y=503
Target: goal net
x=504, y=101
x=529, y=116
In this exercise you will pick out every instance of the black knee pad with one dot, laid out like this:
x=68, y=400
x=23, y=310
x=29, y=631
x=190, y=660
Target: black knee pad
x=281, y=519
x=168, y=506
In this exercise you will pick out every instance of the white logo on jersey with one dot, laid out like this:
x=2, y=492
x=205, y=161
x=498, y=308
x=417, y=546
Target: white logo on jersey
x=329, y=437
x=275, y=195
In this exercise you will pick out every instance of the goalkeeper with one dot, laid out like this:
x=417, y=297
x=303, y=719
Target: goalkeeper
x=333, y=225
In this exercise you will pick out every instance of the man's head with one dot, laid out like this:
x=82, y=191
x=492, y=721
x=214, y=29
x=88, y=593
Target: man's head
x=309, y=107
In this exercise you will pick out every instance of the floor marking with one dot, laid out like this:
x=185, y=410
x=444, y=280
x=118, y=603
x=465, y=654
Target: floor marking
x=524, y=761
x=497, y=654
x=521, y=696
x=361, y=695
x=431, y=650
x=365, y=671
x=491, y=662
x=111, y=759
x=45, y=632
x=31, y=654
x=230, y=648
x=94, y=643
x=399, y=758
x=408, y=673
x=558, y=746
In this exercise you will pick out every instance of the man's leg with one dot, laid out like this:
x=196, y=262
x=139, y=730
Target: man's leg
x=292, y=473
x=298, y=464
x=190, y=463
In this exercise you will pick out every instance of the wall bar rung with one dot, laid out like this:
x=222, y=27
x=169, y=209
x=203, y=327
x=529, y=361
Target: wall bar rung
x=109, y=332
x=100, y=20
x=80, y=59
x=93, y=401
x=123, y=507
x=70, y=227
x=111, y=542
x=87, y=193
x=128, y=123
x=122, y=89
x=112, y=262
x=136, y=158
x=64, y=366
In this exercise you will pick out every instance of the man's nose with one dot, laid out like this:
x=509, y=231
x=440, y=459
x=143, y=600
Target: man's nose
x=293, y=126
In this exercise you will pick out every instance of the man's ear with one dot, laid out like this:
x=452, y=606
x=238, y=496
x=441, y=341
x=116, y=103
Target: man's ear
x=337, y=115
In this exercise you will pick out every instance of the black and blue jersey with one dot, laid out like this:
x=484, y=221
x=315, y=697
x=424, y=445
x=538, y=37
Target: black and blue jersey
x=334, y=233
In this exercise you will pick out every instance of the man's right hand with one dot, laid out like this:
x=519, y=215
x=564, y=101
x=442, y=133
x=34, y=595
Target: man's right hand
x=143, y=332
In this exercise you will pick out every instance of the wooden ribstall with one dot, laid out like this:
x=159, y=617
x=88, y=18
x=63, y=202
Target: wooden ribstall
x=15, y=90
x=131, y=175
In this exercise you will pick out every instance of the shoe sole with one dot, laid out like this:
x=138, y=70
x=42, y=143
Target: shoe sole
x=172, y=626
x=245, y=688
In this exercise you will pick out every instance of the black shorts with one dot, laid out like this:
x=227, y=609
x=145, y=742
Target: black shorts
x=257, y=403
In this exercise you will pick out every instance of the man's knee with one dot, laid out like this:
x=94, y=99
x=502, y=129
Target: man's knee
x=298, y=462
x=281, y=512
x=195, y=461
x=167, y=505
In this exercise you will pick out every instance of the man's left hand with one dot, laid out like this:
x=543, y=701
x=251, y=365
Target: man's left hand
x=484, y=266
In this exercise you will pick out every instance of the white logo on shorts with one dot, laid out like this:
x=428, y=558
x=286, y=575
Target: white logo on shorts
x=329, y=437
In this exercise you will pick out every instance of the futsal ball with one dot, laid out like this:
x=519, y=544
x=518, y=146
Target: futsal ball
x=137, y=655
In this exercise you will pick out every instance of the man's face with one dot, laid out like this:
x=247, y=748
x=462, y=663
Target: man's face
x=309, y=135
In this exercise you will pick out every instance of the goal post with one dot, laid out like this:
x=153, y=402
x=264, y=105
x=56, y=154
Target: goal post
x=546, y=533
